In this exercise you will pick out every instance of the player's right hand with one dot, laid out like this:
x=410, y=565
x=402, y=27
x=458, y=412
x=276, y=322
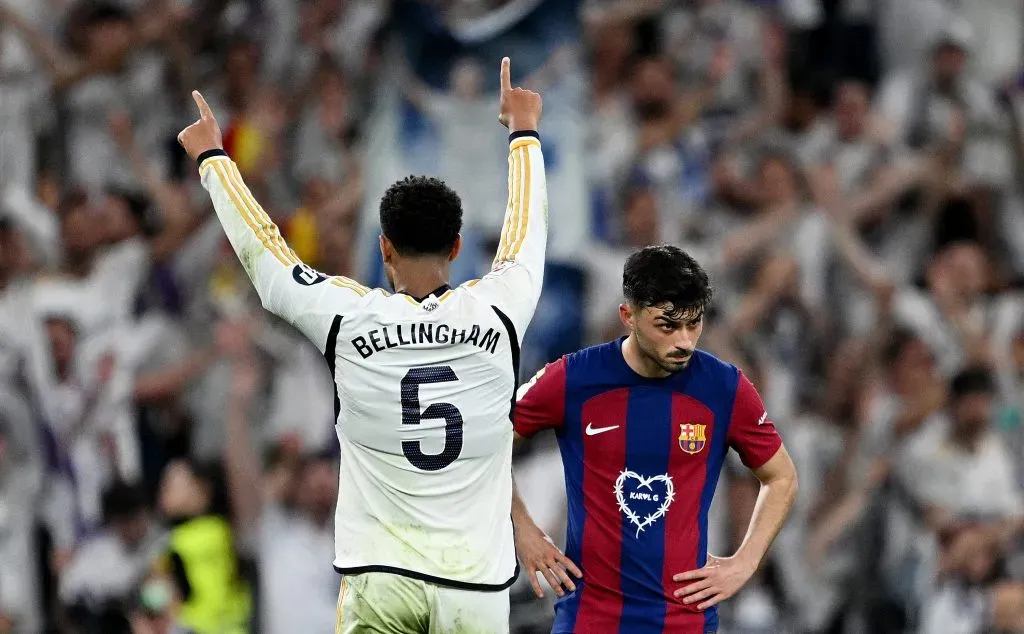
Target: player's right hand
x=538, y=553
x=520, y=108
x=204, y=134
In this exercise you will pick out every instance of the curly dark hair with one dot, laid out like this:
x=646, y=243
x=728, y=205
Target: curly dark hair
x=669, y=277
x=421, y=215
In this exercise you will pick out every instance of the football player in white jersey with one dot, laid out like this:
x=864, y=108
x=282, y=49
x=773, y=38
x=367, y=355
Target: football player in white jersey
x=425, y=379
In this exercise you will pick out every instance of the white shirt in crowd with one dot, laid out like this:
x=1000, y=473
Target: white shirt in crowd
x=299, y=592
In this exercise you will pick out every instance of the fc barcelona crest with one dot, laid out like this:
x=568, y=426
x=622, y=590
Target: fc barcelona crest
x=691, y=437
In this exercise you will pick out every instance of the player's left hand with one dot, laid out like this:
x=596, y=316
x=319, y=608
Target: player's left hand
x=204, y=134
x=718, y=580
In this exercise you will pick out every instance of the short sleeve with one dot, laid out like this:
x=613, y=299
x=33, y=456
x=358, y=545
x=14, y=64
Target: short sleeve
x=540, y=403
x=751, y=432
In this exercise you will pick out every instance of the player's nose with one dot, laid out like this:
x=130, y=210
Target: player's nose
x=685, y=341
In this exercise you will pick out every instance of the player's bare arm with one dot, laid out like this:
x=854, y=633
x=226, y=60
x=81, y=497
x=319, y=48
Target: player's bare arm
x=537, y=408
x=723, y=577
x=538, y=554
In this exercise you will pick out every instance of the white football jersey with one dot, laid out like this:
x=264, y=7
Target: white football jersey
x=424, y=386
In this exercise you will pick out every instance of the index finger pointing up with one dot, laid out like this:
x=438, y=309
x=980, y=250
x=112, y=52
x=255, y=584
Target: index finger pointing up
x=204, y=108
x=506, y=79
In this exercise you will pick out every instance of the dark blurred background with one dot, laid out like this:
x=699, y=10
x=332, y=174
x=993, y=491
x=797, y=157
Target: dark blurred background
x=849, y=171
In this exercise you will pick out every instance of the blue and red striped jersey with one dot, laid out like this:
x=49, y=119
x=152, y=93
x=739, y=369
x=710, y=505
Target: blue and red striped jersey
x=641, y=458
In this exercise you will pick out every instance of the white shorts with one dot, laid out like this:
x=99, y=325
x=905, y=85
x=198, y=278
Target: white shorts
x=383, y=603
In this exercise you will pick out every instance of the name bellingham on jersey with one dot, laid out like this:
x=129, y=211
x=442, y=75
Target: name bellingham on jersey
x=423, y=387
x=381, y=339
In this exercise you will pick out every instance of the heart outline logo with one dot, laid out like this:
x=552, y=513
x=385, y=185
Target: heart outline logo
x=644, y=483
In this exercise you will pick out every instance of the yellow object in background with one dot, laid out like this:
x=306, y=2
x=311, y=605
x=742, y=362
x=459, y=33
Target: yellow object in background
x=303, y=236
x=244, y=143
x=219, y=601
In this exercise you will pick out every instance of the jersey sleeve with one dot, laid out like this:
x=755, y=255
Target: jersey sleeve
x=517, y=275
x=286, y=286
x=751, y=432
x=540, y=403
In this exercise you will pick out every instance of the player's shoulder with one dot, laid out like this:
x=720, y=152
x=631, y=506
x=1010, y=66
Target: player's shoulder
x=359, y=297
x=339, y=285
x=581, y=365
x=594, y=364
x=714, y=365
x=595, y=354
x=716, y=369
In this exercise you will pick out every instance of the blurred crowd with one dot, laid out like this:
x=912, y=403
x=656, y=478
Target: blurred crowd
x=851, y=172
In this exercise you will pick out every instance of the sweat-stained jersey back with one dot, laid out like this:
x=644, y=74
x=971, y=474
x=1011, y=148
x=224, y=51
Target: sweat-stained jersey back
x=424, y=386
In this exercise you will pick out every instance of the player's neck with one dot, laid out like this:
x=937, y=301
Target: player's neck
x=640, y=362
x=421, y=276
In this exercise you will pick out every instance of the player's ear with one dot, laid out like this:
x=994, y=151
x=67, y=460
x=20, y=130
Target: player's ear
x=387, y=250
x=626, y=315
x=456, y=248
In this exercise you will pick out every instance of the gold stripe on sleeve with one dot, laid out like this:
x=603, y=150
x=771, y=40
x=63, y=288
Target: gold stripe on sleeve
x=271, y=230
x=352, y=285
x=514, y=206
x=524, y=142
x=525, y=203
x=244, y=211
x=365, y=288
x=508, y=207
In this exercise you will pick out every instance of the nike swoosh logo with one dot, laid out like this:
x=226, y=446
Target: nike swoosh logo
x=763, y=418
x=593, y=431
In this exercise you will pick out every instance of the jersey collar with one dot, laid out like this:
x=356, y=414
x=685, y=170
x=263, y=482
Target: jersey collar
x=678, y=379
x=437, y=292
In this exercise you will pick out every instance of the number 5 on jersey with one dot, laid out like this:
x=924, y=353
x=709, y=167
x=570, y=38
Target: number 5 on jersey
x=412, y=415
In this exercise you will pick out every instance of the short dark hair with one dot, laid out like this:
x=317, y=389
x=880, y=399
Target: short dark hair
x=666, y=275
x=421, y=215
x=972, y=380
x=211, y=474
x=106, y=12
x=897, y=343
x=138, y=207
x=122, y=501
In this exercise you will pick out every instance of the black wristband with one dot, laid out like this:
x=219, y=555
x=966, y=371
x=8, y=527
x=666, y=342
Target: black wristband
x=209, y=154
x=523, y=133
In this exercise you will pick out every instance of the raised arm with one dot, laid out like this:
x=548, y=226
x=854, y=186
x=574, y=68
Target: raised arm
x=287, y=287
x=868, y=270
x=46, y=51
x=515, y=281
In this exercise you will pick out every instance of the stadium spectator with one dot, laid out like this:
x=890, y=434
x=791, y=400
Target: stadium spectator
x=286, y=514
x=201, y=552
x=106, y=568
